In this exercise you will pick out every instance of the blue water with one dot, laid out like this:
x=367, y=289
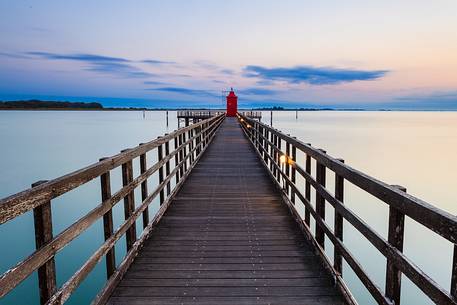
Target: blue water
x=414, y=149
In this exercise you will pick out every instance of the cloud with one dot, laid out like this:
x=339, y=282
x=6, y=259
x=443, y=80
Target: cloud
x=434, y=96
x=208, y=65
x=257, y=91
x=151, y=82
x=312, y=75
x=157, y=62
x=186, y=91
x=99, y=63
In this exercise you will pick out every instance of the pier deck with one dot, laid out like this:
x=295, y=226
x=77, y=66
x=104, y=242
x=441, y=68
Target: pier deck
x=227, y=238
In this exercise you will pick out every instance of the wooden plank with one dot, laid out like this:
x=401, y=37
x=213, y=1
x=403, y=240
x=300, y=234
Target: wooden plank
x=223, y=235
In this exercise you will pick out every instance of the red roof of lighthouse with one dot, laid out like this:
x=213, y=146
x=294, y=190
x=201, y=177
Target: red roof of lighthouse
x=231, y=93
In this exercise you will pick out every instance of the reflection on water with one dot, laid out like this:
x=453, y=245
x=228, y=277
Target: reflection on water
x=413, y=149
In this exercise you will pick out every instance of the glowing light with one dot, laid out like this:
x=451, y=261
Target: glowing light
x=282, y=159
x=248, y=126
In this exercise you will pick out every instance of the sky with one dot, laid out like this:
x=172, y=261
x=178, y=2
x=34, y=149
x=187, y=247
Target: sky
x=342, y=54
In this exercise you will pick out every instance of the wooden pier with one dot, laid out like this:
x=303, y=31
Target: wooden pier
x=194, y=116
x=233, y=225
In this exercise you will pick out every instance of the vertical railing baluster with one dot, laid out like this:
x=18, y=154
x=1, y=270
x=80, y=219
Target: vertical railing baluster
x=197, y=140
x=144, y=188
x=395, y=238
x=110, y=257
x=184, y=151
x=320, y=201
x=272, y=153
x=293, y=173
x=181, y=156
x=129, y=201
x=159, y=159
x=191, y=146
x=339, y=195
x=454, y=274
x=175, y=140
x=42, y=217
x=278, y=173
x=307, y=189
x=167, y=165
x=287, y=165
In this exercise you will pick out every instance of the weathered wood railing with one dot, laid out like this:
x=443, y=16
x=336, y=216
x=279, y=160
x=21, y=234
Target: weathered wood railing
x=189, y=144
x=278, y=153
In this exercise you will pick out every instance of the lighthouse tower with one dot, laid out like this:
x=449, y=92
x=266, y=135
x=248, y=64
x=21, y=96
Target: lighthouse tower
x=232, y=103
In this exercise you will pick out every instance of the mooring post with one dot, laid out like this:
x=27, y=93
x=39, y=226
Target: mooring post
x=144, y=188
x=320, y=201
x=296, y=114
x=395, y=237
x=339, y=195
x=308, y=187
x=110, y=257
x=167, y=118
x=129, y=201
x=271, y=118
x=42, y=217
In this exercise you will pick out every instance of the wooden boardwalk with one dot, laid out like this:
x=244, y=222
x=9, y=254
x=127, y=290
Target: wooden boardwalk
x=227, y=238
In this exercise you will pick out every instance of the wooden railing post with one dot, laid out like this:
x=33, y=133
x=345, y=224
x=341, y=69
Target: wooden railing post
x=42, y=216
x=110, y=257
x=287, y=165
x=278, y=145
x=129, y=201
x=275, y=156
x=175, y=140
x=184, y=149
x=181, y=156
x=454, y=274
x=320, y=202
x=159, y=158
x=272, y=153
x=308, y=188
x=339, y=194
x=144, y=188
x=191, y=146
x=167, y=166
x=197, y=141
x=395, y=238
x=293, y=173
x=265, y=145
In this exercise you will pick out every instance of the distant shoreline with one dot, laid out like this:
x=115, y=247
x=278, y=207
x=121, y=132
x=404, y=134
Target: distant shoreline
x=38, y=105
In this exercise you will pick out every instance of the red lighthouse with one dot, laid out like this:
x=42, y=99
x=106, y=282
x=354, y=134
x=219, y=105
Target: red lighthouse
x=232, y=103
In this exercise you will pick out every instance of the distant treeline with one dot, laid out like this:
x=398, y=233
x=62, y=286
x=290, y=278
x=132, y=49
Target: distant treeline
x=37, y=104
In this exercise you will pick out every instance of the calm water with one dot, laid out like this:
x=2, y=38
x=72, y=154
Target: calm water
x=414, y=149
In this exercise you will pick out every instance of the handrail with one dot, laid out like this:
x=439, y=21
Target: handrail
x=267, y=142
x=190, y=143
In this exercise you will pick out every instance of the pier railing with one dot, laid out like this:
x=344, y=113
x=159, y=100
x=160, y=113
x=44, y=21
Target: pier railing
x=278, y=153
x=188, y=145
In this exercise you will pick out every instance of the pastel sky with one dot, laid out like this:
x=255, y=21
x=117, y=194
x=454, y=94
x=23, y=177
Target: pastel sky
x=367, y=54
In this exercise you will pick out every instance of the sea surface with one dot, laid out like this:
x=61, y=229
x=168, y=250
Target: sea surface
x=417, y=150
